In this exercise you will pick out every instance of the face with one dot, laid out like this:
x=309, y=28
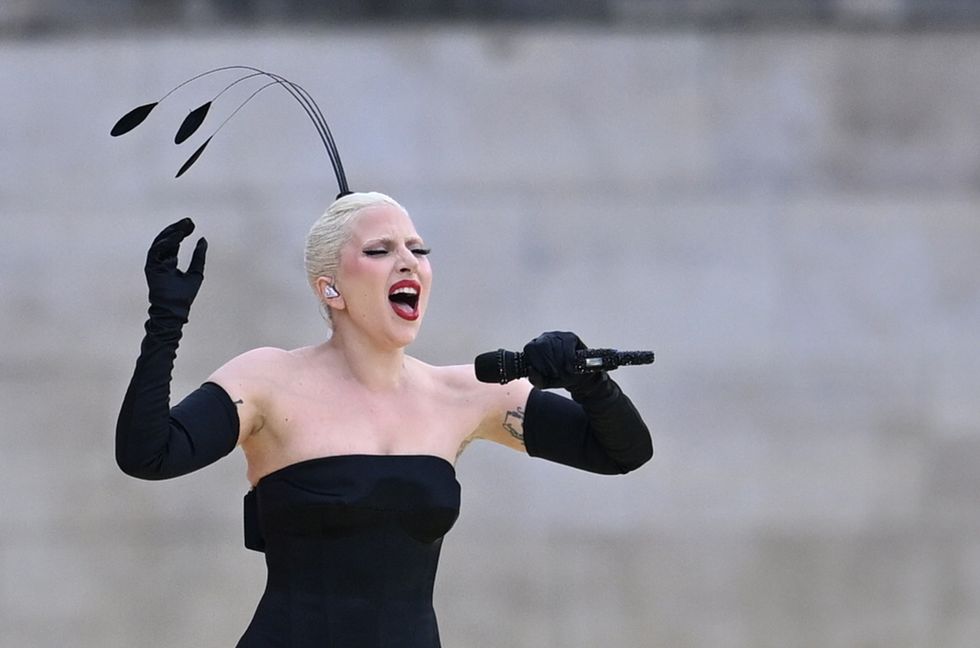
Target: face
x=384, y=276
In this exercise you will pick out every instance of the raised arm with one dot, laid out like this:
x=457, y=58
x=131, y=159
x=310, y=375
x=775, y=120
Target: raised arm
x=598, y=430
x=154, y=441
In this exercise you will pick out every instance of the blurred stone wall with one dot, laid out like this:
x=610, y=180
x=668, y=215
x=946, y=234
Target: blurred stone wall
x=39, y=17
x=788, y=218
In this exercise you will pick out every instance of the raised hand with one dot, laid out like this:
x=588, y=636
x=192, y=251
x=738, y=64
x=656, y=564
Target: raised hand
x=171, y=290
x=154, y=441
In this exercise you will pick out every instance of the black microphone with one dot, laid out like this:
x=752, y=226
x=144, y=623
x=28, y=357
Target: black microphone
x=502, y=366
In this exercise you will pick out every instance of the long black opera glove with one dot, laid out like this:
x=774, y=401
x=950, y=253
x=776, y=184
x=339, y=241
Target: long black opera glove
x=152, y=440
x=599, y=430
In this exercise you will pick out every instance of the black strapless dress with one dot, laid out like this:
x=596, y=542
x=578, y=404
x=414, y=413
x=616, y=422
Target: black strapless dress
x=351, y=543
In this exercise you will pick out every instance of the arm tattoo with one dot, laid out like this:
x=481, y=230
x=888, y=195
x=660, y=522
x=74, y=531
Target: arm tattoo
x=514, y=423
x=239, y=402
x=462, y=446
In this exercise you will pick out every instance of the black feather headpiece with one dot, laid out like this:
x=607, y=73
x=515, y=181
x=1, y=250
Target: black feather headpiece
x=195, y=118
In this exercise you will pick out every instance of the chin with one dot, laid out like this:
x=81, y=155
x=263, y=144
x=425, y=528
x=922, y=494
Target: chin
x=406, y=332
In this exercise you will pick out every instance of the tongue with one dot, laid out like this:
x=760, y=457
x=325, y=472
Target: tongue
x=402, y=308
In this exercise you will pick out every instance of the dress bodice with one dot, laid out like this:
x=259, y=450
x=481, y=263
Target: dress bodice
x=351, y=544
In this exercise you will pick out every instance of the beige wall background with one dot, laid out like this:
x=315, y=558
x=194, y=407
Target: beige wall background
x=789, y=219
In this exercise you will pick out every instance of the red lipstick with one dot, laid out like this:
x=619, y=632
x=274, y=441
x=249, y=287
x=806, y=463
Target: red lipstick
x=404, y=299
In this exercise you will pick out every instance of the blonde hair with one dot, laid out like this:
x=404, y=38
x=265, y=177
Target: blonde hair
x=332, y=230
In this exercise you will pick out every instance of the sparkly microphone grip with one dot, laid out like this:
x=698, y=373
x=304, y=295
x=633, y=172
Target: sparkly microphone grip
x=502, y=366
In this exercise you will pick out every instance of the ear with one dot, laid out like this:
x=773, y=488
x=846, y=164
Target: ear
x=329, y=294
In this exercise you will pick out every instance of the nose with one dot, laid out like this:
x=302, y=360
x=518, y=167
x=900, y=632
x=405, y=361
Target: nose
x=407, y=261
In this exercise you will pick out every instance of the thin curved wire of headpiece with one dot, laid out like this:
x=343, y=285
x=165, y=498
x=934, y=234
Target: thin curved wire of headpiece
x=313, y=111
x=135, y=117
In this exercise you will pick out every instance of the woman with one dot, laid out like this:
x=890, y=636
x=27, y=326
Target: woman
x=351, y=443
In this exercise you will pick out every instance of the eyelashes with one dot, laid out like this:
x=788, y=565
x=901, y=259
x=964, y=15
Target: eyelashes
x=416, y=252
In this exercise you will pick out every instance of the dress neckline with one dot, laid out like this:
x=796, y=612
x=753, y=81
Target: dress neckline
x=357, y=455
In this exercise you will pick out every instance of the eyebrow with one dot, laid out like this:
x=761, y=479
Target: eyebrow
x=388, y=241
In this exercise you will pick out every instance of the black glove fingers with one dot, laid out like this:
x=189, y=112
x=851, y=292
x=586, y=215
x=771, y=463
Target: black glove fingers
x=533, y=360
x=164, y=251
x=561, y=347
x=196, y=267
x=544, y=361
x=183, y=227
x=536, y=354
x=171, y=235
x=536, y=378
x=569, y=344
x=172, y=291
x=167, y=242
x=555, y=356
x=551, y=359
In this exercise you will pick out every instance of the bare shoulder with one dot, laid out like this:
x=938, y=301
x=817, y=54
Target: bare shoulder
x=247, y=379
x=455, y=377
x=263, y=363
x=460, y=382
x=500, y=407
x=255, y=359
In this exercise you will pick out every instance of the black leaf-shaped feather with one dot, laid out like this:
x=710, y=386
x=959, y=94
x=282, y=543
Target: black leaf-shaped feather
x=192, y=159
x=132, y=119
x=191, y=123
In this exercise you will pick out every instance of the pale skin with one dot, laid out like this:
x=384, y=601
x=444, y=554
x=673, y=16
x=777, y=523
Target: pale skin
x=359, y=392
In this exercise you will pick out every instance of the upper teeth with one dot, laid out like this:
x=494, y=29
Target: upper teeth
x=405, y=290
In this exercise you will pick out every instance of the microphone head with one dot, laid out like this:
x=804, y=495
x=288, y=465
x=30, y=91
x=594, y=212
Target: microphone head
x=500, y=366
x=488, y=367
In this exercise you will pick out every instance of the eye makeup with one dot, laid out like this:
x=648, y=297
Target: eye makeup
x=384, y=246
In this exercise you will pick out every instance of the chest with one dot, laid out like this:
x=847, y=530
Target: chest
x=335, y=418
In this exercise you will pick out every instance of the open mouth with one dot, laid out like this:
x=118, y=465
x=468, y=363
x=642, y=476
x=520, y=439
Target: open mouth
x=404, y=299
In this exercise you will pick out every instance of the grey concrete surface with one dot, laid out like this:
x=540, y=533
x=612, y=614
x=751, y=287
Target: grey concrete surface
x=32, y=18
x=789, y=219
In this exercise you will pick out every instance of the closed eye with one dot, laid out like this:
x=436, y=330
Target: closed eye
x=416, y=251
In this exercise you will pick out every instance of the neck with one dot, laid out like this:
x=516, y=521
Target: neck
x=375, y=367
